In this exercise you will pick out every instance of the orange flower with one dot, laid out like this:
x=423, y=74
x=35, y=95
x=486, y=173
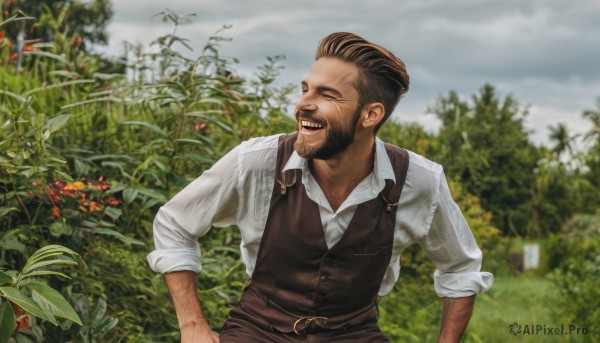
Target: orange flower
x=74, y=186
x=113, y=201
x=55, y=212
x=29, y=48
x=94, y=206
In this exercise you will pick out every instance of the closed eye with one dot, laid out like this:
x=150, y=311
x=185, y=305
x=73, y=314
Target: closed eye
x=328, y=96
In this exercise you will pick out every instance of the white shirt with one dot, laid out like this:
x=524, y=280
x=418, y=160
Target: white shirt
x=237, y=191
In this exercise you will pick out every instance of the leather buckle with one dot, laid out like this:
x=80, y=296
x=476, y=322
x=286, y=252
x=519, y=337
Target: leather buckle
x=303, y=323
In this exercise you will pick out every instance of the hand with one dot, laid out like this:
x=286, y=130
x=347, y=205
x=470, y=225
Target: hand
x=199, y=335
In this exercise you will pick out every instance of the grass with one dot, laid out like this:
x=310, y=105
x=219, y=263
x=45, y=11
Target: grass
x=521, y=299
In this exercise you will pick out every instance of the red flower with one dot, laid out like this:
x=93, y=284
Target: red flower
x=22, y=323
x=22, y=318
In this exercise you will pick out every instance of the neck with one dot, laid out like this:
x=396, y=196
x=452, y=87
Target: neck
x=338, y=176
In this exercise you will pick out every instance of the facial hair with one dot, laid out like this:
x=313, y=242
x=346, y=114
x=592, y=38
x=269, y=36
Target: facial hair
x=337, y=139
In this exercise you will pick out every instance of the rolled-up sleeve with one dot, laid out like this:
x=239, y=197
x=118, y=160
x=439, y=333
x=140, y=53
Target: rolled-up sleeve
x=210, y=200
x=453, y=250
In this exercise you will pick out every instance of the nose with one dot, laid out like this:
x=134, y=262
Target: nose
x=306, y=103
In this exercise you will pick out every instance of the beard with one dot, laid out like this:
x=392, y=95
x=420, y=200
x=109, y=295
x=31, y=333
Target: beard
x=337, y=138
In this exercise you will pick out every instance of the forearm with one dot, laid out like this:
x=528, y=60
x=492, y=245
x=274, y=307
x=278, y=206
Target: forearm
x=455, y=317
x=191, y=319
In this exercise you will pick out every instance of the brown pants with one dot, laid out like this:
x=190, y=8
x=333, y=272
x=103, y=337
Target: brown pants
x=238, y=330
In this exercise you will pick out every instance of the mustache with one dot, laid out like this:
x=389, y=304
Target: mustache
x=309, y=115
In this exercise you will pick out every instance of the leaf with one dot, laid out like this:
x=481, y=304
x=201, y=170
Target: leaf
x=59, y=58
x=7, y=321
x=218, y=123
x=146, y=125
x=25, y=303
x=5, y=278
x=56, y=123
x=47, y=272
x=46, y=263
x=57, y=85
x=13, y=95
x=110, y=232
x=58, y=304
x=129, y=195
x=58, y=229
x=22, y=338
x=91, y=101
x=113, y=212
x=46, y=252
x=101, y=322
x=190, y=141
x=5, y=210
x=152, y=193
x=195, y=157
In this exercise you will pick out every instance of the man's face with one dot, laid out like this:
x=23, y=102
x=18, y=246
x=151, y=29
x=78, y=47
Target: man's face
x=327, y=112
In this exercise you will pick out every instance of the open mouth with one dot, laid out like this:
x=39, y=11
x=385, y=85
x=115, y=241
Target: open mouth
x=310, y=125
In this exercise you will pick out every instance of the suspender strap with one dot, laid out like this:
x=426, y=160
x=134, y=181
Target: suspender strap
x=391, y=193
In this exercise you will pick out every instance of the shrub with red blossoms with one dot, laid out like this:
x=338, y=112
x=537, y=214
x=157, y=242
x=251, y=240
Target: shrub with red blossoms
x=89, y=197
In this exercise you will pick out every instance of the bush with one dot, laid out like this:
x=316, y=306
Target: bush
x=577, y=274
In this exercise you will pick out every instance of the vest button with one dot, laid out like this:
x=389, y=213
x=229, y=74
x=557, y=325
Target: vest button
x=323, y=278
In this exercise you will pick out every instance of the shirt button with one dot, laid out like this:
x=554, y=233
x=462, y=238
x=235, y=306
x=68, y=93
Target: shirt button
x=323, y=278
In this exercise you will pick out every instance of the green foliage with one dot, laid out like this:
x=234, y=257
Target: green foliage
x=59, y=19
x=22, y=292
x=410, y=136
x=88, y=157
x=485, y=145
x=575, y=253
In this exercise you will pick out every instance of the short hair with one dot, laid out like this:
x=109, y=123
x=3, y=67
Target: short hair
x=382, y=76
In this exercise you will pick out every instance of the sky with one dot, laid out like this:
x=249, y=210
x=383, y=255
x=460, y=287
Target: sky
x=545, y=53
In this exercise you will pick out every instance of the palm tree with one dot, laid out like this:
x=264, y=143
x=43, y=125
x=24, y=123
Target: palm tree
x=594, y=116
x=563, y=141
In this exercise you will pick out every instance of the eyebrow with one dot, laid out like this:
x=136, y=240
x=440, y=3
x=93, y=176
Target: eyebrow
x=324, y=89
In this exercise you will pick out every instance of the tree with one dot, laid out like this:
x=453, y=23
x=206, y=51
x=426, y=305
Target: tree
x=594, y=117
x=84, y=22
x=562, y=139
x=484, y=144
x=592, y=159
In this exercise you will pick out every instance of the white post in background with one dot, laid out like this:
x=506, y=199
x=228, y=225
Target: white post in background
x=531, y=256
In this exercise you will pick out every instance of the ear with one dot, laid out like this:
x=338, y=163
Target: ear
x=372, y=114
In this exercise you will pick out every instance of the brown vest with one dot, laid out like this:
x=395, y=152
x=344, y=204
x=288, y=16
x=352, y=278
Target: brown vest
x=298, y=280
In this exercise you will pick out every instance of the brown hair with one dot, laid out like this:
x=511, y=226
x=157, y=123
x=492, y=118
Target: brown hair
x=382, y=77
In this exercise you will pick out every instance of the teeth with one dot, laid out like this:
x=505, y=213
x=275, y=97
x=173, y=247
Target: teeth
x=310, y=124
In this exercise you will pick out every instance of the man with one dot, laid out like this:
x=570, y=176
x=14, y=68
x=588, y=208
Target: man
x=324, y=214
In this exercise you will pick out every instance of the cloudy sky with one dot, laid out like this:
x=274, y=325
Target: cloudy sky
x=546, y=53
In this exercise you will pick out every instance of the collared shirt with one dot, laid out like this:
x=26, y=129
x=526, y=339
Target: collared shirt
x=237, y=191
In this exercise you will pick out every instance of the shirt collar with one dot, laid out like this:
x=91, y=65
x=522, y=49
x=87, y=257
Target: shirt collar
x=382, y=170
